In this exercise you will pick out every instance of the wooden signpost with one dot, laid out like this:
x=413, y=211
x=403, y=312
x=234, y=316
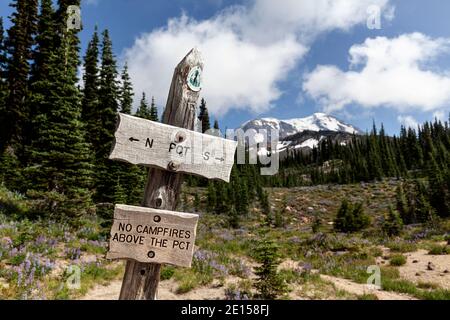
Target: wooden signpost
x=154, y=234
x=144, y=142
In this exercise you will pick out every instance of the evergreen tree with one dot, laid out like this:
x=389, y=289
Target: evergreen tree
x=269, y=283
x=439, y=192
x=392, y=224
x=402, y=205
x=126, y=92
x=107, y=171
x=90, y=102
x=211, y=197
x=60, y=170
x=15, y=123
x=40, y=80
x=120, y=195
x=153, y=111
x=143, y=110
x=423, y=211
x=204, y=116
x=3, y=78
x=132, y=177
x=3, y=58
x=351, y=218
x=233, y=218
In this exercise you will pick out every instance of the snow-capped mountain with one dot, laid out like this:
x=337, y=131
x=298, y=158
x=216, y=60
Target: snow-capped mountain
x=303, y=133
x=316, y=122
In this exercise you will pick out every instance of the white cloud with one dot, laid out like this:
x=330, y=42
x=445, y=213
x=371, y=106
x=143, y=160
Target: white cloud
x=392, y=72
x=247, y=50
x=441, y=115
x=408, y=121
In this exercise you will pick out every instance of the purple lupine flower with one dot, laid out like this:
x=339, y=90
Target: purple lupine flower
x=30, y=279
x=7, y=242
x=307, y=267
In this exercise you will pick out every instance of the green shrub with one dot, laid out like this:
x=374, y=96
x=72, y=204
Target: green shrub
x=317, y=223
x=12, y=203
x=167, y=272
x=187, y=284
x=396, y=285
x=368, y=296
x=279, y=219
x=439, y=294
x=439, y=250
x=351, y=218
x=447, y=238
x=401, y=246
x=398, y=260
x=233, y=218
x=427, y=285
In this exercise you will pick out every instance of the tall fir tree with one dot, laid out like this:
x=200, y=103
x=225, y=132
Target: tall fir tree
x=126, y=92
x=90, y=101
x=132, y=177
x=10, y=174
x=143, y=110
x=107, y=170
x=153, y=111
x=203, y=116
x=60, y=172
x=3, y=66
x=15, y=123
x=42, y=53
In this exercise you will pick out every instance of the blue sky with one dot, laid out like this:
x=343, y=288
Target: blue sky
x=288, y=58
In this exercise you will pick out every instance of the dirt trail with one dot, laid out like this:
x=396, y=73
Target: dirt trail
x=422, y=267
x=167, y=291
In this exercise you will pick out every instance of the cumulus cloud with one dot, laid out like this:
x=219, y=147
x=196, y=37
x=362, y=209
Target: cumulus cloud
x=408, y=121
x=393, y=72
x=441, y=115
x=247, y=50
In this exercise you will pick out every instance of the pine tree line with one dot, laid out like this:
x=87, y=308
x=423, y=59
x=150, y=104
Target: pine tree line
x=421, y=155
x=56, y=137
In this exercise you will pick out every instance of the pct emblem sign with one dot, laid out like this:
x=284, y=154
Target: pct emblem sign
x=194, y=79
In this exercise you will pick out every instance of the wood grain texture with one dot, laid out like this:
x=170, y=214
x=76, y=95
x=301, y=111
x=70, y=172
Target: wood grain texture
x=152, y=235
x=144, y=142
x=163, y=187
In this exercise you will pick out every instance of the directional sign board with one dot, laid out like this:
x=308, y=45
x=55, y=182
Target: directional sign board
x=149, y=143
x=152, y=235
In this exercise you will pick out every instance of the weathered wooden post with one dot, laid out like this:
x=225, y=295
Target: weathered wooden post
x=143, y=235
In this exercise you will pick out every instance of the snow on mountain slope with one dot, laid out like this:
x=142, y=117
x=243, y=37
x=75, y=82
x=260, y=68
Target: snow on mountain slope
x=321, y=122
x=316, y=122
